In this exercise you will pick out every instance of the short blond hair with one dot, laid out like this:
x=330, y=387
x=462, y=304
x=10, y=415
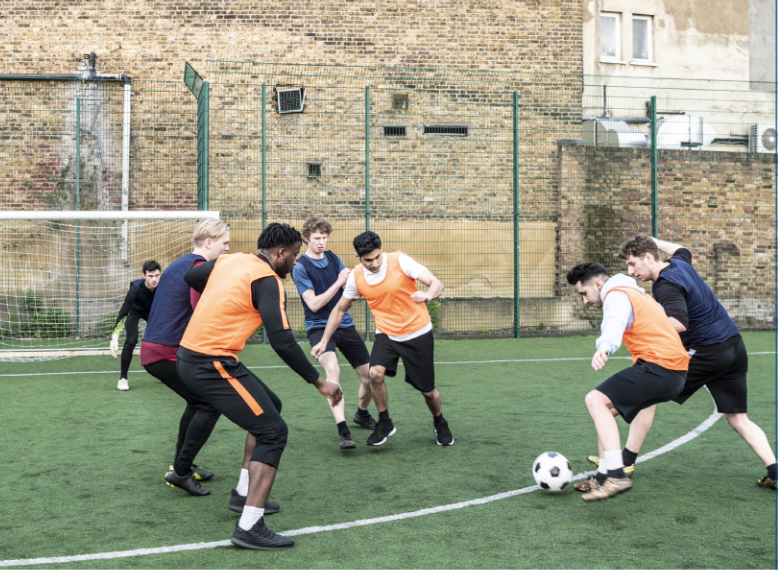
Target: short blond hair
x=209, y=228
x=316, y=224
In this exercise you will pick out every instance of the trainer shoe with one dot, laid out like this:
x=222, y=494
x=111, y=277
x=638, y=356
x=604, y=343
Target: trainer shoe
x=259, y=537
x=366, y=422
x=443, y=434
x=123, y=385
x=629, y=470
x=187, y=482
x=767, y=482
x=585, y=486
x=610, y=488
x=346, y=441
x=199, y=474
x=383, y=429
x=237, y=502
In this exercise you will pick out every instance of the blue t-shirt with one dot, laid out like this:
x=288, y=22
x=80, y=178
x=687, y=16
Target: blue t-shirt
x=303, y=282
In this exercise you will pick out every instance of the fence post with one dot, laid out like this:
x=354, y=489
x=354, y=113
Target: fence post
x=367, y=191
x=264, y=180
x=516, y=247
x=654, y=171
x=78, y=222
x=203, y=146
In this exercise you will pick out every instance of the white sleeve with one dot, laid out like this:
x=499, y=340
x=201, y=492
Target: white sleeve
x=410, y=267
x=350, y=289
x=617, y=316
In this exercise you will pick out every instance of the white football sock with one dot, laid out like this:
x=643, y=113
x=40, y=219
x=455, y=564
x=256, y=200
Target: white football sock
x=250, y=516
x=601, y=467
x=243, y=483
x=614, y=460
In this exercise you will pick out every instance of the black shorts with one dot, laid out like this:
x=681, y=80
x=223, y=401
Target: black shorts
x=418, y=356
x=240, y=396
x=641, y=385
x=347, y=340
x=723, y=368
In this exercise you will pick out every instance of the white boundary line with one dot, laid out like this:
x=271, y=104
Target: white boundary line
x=343, y=526
x=346, y=365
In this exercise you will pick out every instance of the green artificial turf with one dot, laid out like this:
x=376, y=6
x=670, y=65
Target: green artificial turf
x=83, y=465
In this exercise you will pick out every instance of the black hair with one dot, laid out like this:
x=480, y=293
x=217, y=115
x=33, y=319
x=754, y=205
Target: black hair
x=583, y=272
x=366, y=242
x=150, y=266
x=278, y=235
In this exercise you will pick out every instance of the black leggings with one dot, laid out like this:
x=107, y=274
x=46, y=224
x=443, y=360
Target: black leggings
x=131, y=328
x=197, y=421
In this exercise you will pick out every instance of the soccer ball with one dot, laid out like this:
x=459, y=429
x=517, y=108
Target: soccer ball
x=552, y=471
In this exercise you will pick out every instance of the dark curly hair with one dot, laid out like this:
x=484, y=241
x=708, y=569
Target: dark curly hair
x=583, y=272
x=278, y=235
x=150, y=266
x=366, y=242
x=639, y=246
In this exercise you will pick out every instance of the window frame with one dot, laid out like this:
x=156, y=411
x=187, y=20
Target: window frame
x=618, y=40
x=649, y=38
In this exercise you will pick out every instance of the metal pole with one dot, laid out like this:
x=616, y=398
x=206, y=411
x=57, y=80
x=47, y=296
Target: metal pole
x=654, y=172
x=264, y=179
x=78, y=222
x=126, y=171
x=516, y=246
x=206, y=143
x=367, y=192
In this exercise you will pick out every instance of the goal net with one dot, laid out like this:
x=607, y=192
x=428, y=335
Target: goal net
x=64, y=275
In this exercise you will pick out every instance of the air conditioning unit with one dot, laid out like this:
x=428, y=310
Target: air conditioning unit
x=762, y=138
x=291, y=100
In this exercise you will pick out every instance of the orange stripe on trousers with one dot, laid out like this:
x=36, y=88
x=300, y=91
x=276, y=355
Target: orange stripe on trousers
x=248, y=398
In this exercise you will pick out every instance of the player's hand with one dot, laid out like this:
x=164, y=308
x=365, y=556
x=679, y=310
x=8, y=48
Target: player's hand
x=420, y=297
x=319, y=349
x=329, y=390
x=343, y=275
x=600, y=358
x=114, y=346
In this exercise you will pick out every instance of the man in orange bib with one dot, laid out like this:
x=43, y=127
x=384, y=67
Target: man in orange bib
x=403, y=328
x=658, y=372
x=240, y=293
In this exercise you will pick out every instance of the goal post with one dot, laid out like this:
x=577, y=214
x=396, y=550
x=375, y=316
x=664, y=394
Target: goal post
x=64, y=274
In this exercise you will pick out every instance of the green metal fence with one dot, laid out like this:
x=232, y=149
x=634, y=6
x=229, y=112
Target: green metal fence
x=498, y=182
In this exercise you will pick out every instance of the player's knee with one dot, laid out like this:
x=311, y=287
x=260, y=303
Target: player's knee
x=376, y=376
x=737, y=421
x=593, y=399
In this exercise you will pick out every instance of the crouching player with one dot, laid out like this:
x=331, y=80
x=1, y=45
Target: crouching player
x=658, y=372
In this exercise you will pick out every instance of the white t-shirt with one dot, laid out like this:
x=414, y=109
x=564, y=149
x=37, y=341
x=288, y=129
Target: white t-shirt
x=410, y=267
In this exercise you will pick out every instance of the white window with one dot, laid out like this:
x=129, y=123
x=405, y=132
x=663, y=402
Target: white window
x=610, y=36
x=642, y=40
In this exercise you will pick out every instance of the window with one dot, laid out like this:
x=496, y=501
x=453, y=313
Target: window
x=455, y=130
x=394, y=131
x=400, y=101
x=641, y=38
x=314, y=170
x=610, y=36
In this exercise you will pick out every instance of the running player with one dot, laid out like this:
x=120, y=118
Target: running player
x=136, y=306
x=240, y=293
x=403, y=328
x=167, y=322
x=319, y=277
x=657, y=374
x=719, y=360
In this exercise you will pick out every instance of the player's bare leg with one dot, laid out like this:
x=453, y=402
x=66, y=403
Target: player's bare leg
x=250, y=531
x=753, y=435
x=365, y=392
x=240, y=492
x=433, y=402
x=329, y=361
x=384, y=428
x=639, y=428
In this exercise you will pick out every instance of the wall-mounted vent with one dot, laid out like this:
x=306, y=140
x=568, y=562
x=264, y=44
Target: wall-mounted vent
x=314, y=170
x=448, y=130
x=394, y=131
x=291, y=100
x=399, y=101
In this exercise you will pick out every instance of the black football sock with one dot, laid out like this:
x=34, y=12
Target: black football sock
x=383, y=415
x=771, y=471
x=601, y=477
x=343, y=429
x=361, y=412
x=616, y=473
x=629, y=457
x=437, y=419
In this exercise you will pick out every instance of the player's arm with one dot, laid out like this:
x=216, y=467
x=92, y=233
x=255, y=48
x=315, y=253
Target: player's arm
x=334, y=320
x=125, y=309
x=434, y=287
x=317, y=302
x=197, y=277
x=672, y=297
x=269, y=299
x=668, y=247
x=617, y=315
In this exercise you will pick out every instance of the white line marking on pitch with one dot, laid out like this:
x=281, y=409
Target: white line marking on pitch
x=343, y=526
x=346, y=365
